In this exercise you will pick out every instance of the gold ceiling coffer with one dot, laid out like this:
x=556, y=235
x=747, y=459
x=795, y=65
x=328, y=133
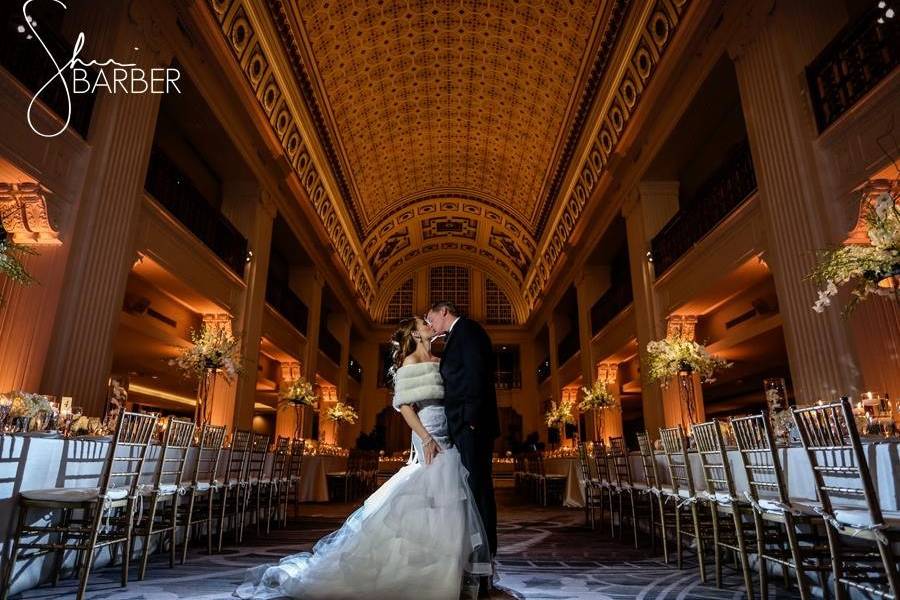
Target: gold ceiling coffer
x=25, y=216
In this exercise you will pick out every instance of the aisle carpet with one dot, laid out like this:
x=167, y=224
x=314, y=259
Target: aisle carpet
x=544, y=554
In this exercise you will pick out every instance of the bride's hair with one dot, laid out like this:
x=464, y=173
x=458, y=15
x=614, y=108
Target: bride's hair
x=403, y=343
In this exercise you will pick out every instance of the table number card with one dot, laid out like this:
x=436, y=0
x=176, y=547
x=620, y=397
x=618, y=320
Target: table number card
x=65, y=405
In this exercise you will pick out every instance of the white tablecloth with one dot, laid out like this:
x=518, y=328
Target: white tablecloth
x=31, y=462
x=569, y=467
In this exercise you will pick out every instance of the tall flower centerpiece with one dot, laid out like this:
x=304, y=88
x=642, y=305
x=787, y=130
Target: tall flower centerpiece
x=870, y=268
x=341, y=413
x=214, y=352
x=299, y=393
x=25, y=410
x=560, y=415
x=599, y=399
x=679, y=358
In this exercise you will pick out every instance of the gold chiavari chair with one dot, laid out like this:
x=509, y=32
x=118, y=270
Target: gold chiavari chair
x=234, y=481
x=295, y=471
x=519, y=474
x=591, y=485
x=344, y=483
x=657, y=492
x=626, y=487
x=108, y=509
x=607, y=488
x=279, y=480
x=257, y=484
x=684, y=494
x=776, y=516
x=531, y=476
x=204, y=485
x=731, y=531
x=850, y=504
x=158, y=504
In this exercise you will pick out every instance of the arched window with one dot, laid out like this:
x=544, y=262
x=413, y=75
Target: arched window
x=497, y=308
x=451, y=283
x=400, y=306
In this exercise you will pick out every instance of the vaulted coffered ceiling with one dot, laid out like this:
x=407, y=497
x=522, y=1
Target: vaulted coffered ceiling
x=436, y=126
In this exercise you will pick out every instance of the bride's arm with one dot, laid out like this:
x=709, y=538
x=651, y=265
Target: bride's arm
x=412, y=419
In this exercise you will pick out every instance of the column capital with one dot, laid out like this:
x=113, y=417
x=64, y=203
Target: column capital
x=747, y=18
x=683, y=326
x=25, y=215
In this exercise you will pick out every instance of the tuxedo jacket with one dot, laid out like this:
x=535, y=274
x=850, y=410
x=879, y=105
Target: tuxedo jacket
x=468, y=370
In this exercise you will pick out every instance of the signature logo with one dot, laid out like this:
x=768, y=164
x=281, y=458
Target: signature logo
x=80, y=77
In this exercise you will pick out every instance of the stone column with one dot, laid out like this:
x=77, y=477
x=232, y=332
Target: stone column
x=309, y=283
x=223, y=394
x=608, y=372
x=588, y=286
x=646, y=211
x=80, y=357
x=286, y=413
x=256, y=212
x=339, y=322
x=769, y=55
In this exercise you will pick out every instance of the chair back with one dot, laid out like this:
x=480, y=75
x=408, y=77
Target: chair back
x=618, y=455
x=256, y=462
x=236, y=467
x=677, y=461
x=127, y=453
x=519, y=464
x=212, y=438
x=831, y=440
x=601, y=462
x=714, y=459
x=584, y=463
x=648, y=460
x=759, y=456
x=173, y=453
x=281, y=458
x=298, y=446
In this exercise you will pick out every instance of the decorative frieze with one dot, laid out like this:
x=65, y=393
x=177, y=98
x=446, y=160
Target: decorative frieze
x=25, y=215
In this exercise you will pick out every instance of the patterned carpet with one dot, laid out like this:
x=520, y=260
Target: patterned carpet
x=544, y=554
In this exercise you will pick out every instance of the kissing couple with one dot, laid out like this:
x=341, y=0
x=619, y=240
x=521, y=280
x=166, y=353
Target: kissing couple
x=430, y=531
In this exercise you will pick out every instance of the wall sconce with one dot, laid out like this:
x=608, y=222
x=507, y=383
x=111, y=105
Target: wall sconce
x=649, y=257
x=249, y=256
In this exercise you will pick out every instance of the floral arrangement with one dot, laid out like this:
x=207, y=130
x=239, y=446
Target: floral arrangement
x=86, y=425
x=214, y=349
x=596, y=397
x=341, y=412
x=27, y=405
x=863, y=265
x=560, y=414
x=670, y=356
x=10, y=260
x=300, y=392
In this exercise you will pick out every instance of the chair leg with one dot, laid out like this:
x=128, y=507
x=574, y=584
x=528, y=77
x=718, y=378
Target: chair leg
x=222, y=517
x=11, y=559
x=187, y=525
x=663, y=533
x=62, y=539
x=634, y=526
x=695, y=516
x=745, y=560
x=794, y=544
x=679, y=560
x=890, y=568
x=89, y=552
x=717, y=549
x=840, y=592
x=145, y=551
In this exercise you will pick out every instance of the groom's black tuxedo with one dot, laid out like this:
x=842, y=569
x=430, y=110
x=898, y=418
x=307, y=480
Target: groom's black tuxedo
x=470, y=403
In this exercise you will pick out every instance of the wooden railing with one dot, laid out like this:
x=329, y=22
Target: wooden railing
x=21, y=54
x=860, y=56
x=171, y=188
x=283, y=299
x=613, y=301
x=726, y=189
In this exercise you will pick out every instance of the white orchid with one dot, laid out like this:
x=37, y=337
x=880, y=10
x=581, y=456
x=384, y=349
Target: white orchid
x=670, y=356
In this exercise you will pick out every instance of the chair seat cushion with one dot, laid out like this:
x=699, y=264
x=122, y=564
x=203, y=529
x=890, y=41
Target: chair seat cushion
x=803, y=506
x=73, y=495
x=861, y=518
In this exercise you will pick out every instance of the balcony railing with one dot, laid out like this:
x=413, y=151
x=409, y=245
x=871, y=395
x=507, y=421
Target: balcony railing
x=543, y=371
x=859, y=57
x=283, y=299
x=613, y=301
x=329, y=345
x=21, y=54
x=568, y=347
x=354, y=369
x=508, y=380
x=177, y=194
x=728, y=187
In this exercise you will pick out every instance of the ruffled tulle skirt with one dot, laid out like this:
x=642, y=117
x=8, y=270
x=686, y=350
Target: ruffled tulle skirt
x=415, y=537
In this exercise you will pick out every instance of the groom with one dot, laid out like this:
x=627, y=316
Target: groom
x=470, y=402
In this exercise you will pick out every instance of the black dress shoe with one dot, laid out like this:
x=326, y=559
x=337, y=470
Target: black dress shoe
x=485, y=587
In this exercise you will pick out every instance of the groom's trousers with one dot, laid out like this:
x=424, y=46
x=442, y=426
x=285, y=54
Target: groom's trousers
x=476, y=453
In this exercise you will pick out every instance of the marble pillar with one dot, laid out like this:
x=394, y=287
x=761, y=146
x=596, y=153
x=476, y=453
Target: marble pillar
x=770, y=55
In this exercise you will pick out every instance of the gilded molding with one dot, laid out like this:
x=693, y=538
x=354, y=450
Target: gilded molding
x=656, y=34
x=25, y=215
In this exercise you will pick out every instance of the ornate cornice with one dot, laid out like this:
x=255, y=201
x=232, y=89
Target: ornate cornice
x=655, y=36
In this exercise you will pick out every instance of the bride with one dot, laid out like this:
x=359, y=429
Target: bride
x=419, y=534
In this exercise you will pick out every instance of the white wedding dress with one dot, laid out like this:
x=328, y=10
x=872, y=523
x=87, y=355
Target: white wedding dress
x=415, y=537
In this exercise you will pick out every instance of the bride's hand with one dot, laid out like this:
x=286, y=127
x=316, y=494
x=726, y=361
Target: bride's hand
x=431, y=450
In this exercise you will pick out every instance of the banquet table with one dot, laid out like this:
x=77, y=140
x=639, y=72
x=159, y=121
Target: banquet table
x=30, y=462
x=574, y=495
